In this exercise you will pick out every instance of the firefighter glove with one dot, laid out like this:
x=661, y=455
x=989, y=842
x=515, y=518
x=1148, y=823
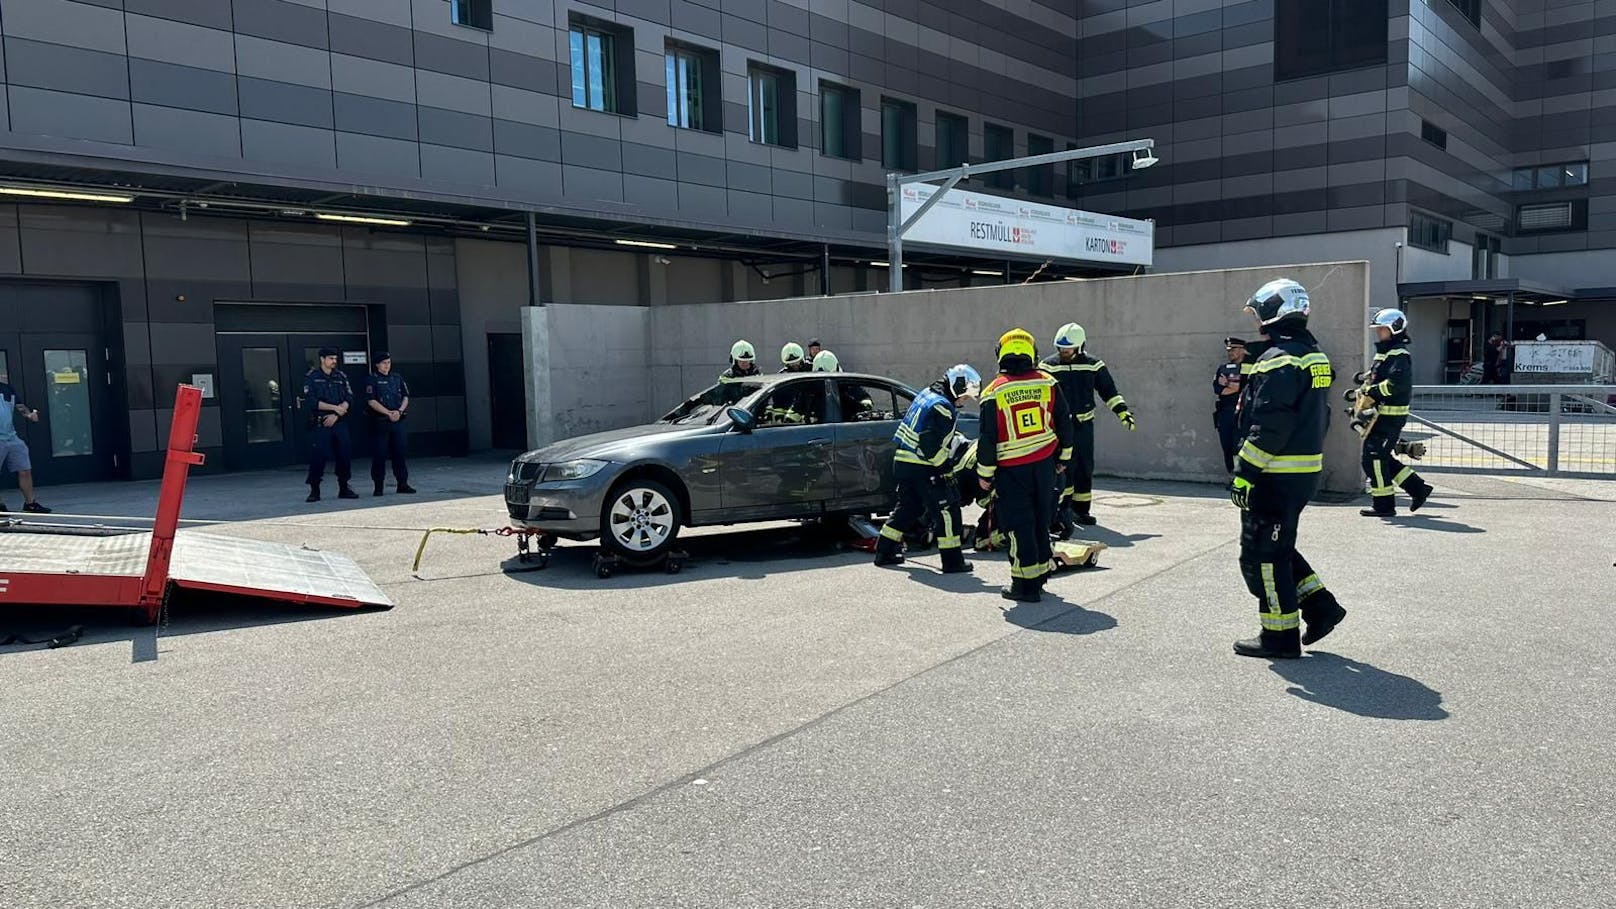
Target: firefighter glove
x=1240, y=493
x=1127, y=420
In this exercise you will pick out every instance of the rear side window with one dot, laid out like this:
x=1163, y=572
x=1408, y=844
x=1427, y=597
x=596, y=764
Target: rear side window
x=866, y=402
x=793, y=404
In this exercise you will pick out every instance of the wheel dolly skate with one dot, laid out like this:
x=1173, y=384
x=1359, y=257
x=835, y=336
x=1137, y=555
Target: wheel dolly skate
x=537, y=546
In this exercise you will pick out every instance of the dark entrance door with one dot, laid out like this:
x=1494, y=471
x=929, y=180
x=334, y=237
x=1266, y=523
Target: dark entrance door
x=507, y=391
x=55, y=354
x=261, y=385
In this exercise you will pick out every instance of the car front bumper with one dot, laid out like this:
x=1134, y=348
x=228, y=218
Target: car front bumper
x=569, y=508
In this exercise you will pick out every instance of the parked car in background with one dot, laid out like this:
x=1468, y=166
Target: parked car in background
x=772, y=448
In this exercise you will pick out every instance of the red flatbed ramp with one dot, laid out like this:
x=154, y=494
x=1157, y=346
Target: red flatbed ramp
x=200, y=561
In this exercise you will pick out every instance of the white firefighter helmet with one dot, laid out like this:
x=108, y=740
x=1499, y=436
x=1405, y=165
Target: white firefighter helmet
x=1392, y=319
x=741, y=351
x=963, y=381
x=1071, y=335
x=791, y=353
x=825, y=361
x=1279, y=299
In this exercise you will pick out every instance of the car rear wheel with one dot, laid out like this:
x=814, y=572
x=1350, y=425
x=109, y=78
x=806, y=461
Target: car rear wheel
x=640, y=519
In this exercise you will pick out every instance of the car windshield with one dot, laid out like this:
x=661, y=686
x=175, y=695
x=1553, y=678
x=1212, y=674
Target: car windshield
x=706, y=406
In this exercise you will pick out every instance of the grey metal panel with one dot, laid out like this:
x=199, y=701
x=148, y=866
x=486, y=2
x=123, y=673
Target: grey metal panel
x=182, y=86
x=377, y=155
x=456, y=165
x=527, y=140
x=164, y=39
x=70, y=116
x=280, y=21
x=649, y=10
x=649, y=161
x=588, y=183
x=286, y=143
x=395, y=12
x=698, y=20
x=703, y=201
x=542, y=178
x=66, y=23
x=67, y=69
x=591, y=151
x=749, y=178
x=374, y=116
x=793, y=211
x=453, y=128
x=362, y=37
x=743, y=32
x=792, y=184
x=523, y=71
x=702, y=169
x=210, y=13
x=189, y=131
x=262, y=99
x=359, y=76
x=278, y=61
x=452, y=92
x=650, y=193
x=446, y=55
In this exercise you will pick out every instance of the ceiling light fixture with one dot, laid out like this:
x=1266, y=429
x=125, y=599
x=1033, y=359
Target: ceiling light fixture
x=34, y=192
x=647, y=244
x=987, y=272
x=362, y=219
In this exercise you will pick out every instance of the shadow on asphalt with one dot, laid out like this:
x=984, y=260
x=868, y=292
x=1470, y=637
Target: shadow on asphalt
x=1058, y=616
x=189, y=612
x=1110, y=537
x=1423, y=522
x=1359, y=688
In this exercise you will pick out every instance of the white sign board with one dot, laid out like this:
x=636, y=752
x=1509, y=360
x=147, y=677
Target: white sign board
x=204, y=381
x=994, y=224
x=1557, y=357
x=353, y=358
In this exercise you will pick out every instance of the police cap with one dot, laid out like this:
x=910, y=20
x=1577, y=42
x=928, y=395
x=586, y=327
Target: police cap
x=329, y=352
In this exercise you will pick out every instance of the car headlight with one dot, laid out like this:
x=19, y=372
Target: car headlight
x=572, y=470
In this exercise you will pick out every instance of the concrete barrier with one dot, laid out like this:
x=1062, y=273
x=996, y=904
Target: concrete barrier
x=1161, y=335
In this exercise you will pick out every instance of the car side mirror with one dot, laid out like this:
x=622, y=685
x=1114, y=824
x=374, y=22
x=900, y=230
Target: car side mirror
x=742, y=418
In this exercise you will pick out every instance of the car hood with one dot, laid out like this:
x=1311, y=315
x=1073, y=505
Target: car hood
x=612, y=444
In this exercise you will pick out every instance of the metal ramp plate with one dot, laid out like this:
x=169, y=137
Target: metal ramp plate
x=202, y=561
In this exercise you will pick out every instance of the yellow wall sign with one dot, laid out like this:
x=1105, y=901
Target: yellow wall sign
x=65, y=377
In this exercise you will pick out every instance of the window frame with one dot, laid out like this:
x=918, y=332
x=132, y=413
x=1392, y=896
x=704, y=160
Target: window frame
x=964, y=139
x=1040, y=178
x=1534, y=171
x=851, y=125
x=1470, y=9
x=1434, y=134
x=617, y=79
x=785, y=104
x=992, y=133
x=908, y=153
x=1576, y=217
x=477, y=14
x=1416, y=232
x=708, y=103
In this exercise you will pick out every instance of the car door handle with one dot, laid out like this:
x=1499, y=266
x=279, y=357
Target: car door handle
x=818, y=441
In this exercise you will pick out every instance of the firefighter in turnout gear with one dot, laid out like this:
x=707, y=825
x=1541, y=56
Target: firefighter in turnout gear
x=1080, y=376
x=1389, y=387
x=742, y=366
x=1026, y=440
x=923, y=466
x=792, y=358
x=1285, y=411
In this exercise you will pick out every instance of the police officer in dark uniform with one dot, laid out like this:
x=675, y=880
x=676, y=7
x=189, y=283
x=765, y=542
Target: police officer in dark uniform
x=1080, y=377
x=1285, y=412
x=922, y=466
x=327, y=397
x=1389, y=386
x=388, y=397
x=1025, y=442
x=1226, y=387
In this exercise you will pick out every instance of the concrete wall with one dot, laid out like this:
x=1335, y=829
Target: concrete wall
x=493, y=289
x=588, y=369
x=1161, y=350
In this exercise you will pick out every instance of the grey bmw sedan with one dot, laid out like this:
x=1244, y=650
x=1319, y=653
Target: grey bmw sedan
x=776, y=447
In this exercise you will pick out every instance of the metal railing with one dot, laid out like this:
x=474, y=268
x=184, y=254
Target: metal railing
x=1527, y=430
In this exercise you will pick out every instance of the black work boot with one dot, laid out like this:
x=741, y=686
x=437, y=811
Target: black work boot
x=1418, y=491
x=405, y=488
x=954, y=562
x=35, y=508
x=1021, y=591
x=1321, y=614
x=314, y=493
x=887, y=553
x=1083, y=517
x=1384, y=507
x=346, y=492
x=378, y=490
x=1272, y=645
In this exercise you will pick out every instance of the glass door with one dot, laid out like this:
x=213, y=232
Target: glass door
x=66, y=381
x=261, y=394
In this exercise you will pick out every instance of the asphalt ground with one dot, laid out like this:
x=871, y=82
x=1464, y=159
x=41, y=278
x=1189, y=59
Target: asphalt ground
x=783, y=724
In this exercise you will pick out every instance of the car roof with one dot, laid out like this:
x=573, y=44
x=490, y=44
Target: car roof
x=773, y=377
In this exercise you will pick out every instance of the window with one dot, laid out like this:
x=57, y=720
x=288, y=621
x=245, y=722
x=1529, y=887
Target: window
x=953, y=140
x=1552, y=216
x=1041, y=179
x=771, y=105
x=794, y=404
x=1433, y=134
x=472, y=13
x=693, y=100
x=840, y=130
x=898, y=139
x=1550, y=176
x=1484, y=258
x=1429, y=233
x=1470, y=8
x=999, y=144
x=67, y=400
x=1313, y=37
x=862, y=403
x=592, y=57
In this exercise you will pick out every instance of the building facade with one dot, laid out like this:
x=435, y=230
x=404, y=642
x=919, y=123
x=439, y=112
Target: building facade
x=211, y=190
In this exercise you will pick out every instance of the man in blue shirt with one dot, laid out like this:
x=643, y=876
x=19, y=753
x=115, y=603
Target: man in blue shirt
x=327, y=397
x=14, y=451
x=388, y=397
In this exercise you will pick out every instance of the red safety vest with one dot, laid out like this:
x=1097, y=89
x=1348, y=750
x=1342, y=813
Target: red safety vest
x=1025, y=406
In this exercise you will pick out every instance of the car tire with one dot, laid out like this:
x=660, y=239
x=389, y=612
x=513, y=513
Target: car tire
x=640, y=519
